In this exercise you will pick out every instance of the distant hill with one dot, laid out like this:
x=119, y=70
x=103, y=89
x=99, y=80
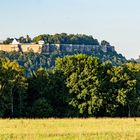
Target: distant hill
x=59, y=45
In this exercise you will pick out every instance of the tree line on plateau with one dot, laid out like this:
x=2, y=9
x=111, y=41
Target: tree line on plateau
x=78, y=86
x=62, y=38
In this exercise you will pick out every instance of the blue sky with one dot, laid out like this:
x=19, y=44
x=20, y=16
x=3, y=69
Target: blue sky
x=117, y=21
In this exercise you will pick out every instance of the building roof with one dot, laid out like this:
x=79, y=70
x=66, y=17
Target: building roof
x=15, y=42
x=41, y=42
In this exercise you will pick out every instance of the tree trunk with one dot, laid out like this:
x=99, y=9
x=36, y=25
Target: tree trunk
x=129, y=111
x=20, y=103
x=12, y=107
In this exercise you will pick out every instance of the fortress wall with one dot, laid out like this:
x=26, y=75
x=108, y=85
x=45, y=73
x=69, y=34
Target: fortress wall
x=25, y=47
x=31, y=47
x=8, y=48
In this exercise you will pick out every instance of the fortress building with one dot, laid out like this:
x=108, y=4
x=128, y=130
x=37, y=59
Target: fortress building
x=17, y=46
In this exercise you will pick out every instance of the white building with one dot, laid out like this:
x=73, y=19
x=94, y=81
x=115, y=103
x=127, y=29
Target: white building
x=15, y=42
x=41, y=42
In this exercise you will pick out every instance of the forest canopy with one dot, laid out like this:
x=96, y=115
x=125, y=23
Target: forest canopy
x=62, y=38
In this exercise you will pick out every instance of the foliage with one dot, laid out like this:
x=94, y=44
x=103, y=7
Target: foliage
x=47, y=89
x=78, y=86
x=105, y=43
x=64, y=38
x=99, y=88
x=83, y=80
x=12, y=87
x=33, y=61
x=21, y=39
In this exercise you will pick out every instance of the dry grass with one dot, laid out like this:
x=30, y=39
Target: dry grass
x=70, y=129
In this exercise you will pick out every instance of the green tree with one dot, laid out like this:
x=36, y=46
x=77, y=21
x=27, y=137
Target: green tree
x=8, y=40
x=105, y=43
x=12, y=81
x=123, y=90
x=37, y=38
x=133, y=99
x=47, y=90
x=28, y=39
x=83, y=78
x=22, y=39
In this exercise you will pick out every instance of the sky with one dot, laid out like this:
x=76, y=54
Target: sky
x=117, y=21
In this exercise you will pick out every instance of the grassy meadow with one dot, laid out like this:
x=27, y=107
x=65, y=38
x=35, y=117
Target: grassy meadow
x=70, y=129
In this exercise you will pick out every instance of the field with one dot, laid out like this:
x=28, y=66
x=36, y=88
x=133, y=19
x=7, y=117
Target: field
x=70, y=129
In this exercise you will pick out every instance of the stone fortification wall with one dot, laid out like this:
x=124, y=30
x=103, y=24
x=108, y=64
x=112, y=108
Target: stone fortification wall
x=8, y=48
x=23, y=47
x=31, y=47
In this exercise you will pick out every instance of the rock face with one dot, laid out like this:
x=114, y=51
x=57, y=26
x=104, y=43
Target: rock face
x=50, y=48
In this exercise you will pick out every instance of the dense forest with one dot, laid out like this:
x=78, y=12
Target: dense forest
x=77, y=86
x=33, y=61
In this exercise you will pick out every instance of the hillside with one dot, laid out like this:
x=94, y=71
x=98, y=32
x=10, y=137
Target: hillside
x=32, y=61
x=60, y=45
